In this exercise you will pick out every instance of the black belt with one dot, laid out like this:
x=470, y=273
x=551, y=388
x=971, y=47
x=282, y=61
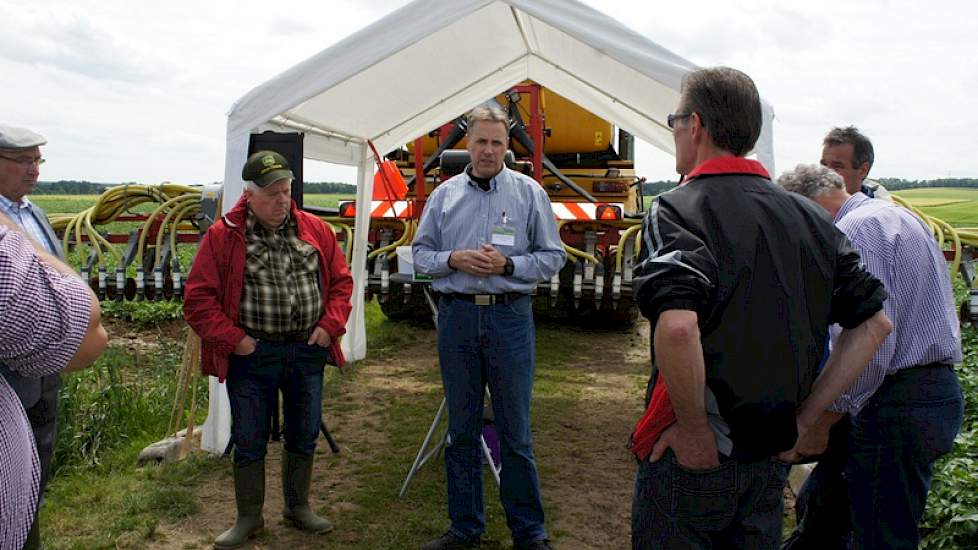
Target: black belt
x=487, y=299
x=293, y=336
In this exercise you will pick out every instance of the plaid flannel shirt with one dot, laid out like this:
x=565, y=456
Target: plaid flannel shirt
x=282, y=289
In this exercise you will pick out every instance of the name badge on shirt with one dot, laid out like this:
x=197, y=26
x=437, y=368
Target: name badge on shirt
x=503, y=236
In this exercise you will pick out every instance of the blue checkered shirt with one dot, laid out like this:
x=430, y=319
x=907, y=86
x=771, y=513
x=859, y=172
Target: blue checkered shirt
x=901, y=252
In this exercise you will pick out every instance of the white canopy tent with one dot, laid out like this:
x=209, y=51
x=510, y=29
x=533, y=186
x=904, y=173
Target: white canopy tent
x=431, y=61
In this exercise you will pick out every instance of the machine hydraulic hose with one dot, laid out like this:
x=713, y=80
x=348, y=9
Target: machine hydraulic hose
x=152, y=233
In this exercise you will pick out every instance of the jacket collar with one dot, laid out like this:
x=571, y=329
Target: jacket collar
x=728, y=165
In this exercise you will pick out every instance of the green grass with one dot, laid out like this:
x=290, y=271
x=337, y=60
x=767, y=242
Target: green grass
x=956, y=206
x=121, y=507
x=107, y=415
x=63, y=204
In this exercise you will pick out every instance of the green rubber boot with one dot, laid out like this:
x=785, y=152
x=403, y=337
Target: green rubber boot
x=296, y=478
x=249, y=494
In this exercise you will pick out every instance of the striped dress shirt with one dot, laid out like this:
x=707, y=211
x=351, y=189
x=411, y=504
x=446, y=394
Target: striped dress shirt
x=459, y=216
x=901, y=252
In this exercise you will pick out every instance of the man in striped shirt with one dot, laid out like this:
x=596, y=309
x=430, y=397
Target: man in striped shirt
x=847, y=152
x=906, y=408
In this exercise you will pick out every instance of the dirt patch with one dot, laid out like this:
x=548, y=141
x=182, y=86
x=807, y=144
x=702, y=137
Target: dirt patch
x=124, y=334
x=591, y=490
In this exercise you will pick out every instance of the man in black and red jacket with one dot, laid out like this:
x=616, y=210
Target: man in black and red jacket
x=740, y=281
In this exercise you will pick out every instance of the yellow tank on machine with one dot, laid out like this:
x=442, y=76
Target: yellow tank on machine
x=573, y=128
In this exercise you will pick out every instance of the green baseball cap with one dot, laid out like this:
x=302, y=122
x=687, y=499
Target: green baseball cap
x=265, y=168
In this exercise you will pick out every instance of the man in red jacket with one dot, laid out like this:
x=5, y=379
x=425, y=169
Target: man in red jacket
x=269, y=295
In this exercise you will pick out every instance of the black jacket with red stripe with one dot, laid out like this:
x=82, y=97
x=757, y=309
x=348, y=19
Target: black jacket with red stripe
x=767, y=272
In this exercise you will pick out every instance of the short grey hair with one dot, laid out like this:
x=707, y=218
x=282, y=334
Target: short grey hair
x=486, y=113
x=252, y=186
x=862, y=148
x=810, y=180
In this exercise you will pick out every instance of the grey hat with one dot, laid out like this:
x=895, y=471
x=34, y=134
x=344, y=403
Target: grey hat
x=14, y=138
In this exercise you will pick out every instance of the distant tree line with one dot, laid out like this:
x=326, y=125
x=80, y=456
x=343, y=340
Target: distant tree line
x=650, y=188
x=898, y=183
x=329, y=188
x=72, y=187
x=69, y=187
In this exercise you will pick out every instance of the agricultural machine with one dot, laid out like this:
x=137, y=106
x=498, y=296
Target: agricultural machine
x=583, y=162
x=595, y=196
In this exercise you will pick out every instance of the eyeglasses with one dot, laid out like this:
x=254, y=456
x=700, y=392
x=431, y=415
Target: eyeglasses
x=25, y=161
x=671, y=119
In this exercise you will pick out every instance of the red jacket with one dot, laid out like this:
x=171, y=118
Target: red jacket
x=212, y=296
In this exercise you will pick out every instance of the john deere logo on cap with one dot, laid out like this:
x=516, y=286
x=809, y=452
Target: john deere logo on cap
x=269, y=162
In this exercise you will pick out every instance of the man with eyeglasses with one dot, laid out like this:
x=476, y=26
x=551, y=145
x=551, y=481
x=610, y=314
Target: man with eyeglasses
x=740, y=281
x=20, y=159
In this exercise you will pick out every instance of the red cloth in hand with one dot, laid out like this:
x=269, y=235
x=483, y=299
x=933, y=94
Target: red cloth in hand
x=658, y=416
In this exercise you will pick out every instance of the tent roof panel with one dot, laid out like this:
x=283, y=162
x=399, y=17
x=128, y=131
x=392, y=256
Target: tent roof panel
x=431, y=60
x=418, y=77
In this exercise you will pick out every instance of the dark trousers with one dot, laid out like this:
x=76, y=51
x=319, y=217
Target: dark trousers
x=295, y=369
x=494, y=345
x=872, y=495
x=43, y=417
x=737, y=505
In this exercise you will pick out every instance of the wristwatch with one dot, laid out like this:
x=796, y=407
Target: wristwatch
x=508, y=268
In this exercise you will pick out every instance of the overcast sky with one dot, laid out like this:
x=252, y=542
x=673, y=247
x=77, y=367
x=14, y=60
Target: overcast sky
x=127, y=90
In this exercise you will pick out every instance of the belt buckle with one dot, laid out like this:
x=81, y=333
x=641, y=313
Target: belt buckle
x=483, y=299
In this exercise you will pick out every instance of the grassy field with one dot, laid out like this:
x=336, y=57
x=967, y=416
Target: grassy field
x=66, y=204
x=956, y=206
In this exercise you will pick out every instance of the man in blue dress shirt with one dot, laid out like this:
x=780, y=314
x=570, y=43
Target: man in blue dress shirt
x=906, y=408
x=487, y=237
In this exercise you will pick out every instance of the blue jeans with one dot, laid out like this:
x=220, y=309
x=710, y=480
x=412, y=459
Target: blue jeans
x=495, y=345
x=735, y=505
x=253, y=380
x=881, y=485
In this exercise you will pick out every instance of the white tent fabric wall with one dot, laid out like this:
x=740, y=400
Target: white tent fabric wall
x=369, y=86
